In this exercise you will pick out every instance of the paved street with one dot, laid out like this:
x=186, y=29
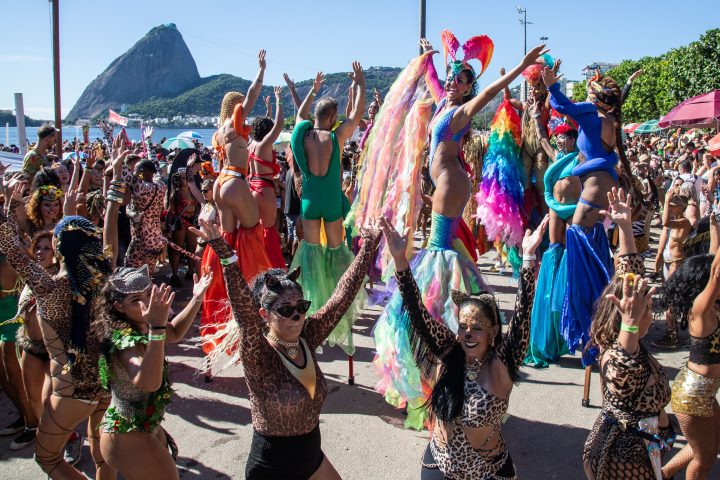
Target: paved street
x=362, y=435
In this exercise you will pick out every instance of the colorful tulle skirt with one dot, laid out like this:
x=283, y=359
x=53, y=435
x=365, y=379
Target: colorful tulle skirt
x=589, y=270
x=438, y=270
x=320, y=272
x=546, y=343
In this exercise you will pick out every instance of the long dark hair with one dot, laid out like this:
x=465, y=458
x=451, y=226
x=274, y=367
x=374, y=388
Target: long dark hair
x=448, y=395
x=684, y=285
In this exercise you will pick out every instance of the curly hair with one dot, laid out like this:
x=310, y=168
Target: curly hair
x=680, y=290
x=606, y=317
x=45, y=176
x=32, y=209
x=45, y=235
x=260, y=127
x=267, y=286
x=95, y=204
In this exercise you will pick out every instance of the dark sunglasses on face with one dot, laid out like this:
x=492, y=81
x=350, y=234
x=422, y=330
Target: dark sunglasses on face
x=287, y=310
x=204, y=191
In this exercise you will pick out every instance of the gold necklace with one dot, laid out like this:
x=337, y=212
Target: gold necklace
x=472, y=370
x=292, y=348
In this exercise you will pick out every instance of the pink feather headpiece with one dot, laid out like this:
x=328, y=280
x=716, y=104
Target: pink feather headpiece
x=478, y=48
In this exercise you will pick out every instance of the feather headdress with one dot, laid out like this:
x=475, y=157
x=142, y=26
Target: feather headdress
x=478, y=48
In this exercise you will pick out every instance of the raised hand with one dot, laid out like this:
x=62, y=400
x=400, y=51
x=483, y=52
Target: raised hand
x=192, y=159
x=208, y=231
x=532, y=240
x=289, y=81
x=3, y=168
x=556, y=66
x=357, y=75
x=620, y=208
x=278, y=93
x=200, y=285
x=317, y=83
x=637, y=299
x=372, y=231
x=427, y=46
x=261, y=59
x=549, y=77
x=396, y=243
x=635, y=75
x=156, y=312
x=267, y=102
x=502, y=71
x=533, y=56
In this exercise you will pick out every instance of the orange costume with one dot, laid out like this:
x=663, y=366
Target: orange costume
x=246, y=241
x=258, y=182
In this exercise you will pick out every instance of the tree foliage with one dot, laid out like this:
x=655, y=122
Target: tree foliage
x=669, y=79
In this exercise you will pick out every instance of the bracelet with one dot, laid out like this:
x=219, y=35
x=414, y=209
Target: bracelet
x=312, y=92
x=629, y=328
x=158, y=328
x=229, y=261
x=157, y=338
x=529, y=258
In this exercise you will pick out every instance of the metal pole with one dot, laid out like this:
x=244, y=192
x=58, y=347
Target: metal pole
x=56, y=71
x=20, y=119
x=525, y=31
x=422, y=21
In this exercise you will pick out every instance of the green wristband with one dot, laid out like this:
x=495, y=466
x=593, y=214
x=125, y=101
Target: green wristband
x=157, y=338
x=629, y=328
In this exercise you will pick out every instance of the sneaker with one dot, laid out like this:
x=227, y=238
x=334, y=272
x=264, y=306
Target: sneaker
x=73, y=449
x=24, y=439
x=16, y=427
x=669, y=341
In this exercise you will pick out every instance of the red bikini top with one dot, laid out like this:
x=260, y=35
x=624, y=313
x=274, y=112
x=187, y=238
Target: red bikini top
x=266, y=163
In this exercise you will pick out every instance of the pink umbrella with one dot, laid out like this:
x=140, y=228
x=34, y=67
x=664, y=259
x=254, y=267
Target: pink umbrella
x=714, y=145
x=697, y=112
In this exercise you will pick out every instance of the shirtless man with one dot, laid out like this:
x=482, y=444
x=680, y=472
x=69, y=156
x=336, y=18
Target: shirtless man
x=316, y=151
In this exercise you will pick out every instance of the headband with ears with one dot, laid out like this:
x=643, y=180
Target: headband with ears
x=459, y=297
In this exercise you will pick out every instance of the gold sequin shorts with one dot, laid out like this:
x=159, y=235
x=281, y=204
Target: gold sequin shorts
x=694, y=394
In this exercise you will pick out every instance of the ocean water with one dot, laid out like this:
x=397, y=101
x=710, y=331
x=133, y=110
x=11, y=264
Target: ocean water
x=134, y=133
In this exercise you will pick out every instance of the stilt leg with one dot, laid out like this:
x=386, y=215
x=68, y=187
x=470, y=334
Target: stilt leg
x=586, y=388
x=351, y=373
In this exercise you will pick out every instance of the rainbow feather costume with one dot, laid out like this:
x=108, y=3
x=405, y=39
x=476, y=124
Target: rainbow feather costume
x=501, y=195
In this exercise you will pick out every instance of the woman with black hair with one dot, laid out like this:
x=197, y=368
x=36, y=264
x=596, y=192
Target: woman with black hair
x=277, y=349
x=182, y=213
x=692, y=292
x=478, y=367
x=263, y=170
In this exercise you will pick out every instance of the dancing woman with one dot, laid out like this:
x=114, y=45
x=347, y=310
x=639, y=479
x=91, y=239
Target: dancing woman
x=263, y=170
x=63, y=304
x=692, y=292
x=44, y=209
x=182, y=212
x=589, y=262
x=478, y=367
x=561, y=192
x=278, y=343
x=635, y=387
x=439, y=268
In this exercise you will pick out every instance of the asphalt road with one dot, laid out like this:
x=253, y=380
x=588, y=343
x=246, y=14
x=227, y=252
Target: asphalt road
x=362, y=435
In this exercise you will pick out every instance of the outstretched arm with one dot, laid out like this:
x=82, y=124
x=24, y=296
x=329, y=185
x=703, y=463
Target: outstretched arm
x=178, y=327
x=703, y=309
x=256, y=87
x=628, y=85
x=471, y=108
x=346, y=129
x=516, y=104
x=322, y=322
x=304, y=110
x=291, y=88
x=431, y=77
x=279, y=119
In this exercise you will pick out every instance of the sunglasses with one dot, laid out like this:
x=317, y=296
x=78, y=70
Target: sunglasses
x=204, y=191
x=287, y=310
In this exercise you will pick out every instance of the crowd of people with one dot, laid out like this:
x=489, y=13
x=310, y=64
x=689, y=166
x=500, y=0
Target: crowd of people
x=283, y=250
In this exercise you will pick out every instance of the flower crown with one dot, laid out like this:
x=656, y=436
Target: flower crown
x=50, y=193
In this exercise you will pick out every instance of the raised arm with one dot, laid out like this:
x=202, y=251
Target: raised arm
x=346, y=129
x=291, y=87
x=628, y=85
x=304, y=110
x=256, y=87
x=279, y=119
x=536, y=111
x=322, y=322
x=192, y=166
x=516, y=104
x=465, y=113
x=703, y=317
x=513, y=347
x=178, y=327
x=431, y=77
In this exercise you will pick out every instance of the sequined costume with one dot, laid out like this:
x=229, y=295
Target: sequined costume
x=281, y=404
x=634, y=387
x=457, y=458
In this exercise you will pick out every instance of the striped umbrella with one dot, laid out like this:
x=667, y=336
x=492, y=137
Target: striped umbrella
x=651, y=126
x=178, y=142
x=630, y=127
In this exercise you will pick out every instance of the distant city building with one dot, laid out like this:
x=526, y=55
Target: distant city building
x=589, y=71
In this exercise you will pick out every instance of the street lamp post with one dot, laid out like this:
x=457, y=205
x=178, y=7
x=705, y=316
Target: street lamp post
x=524, y=22
x=422, y=22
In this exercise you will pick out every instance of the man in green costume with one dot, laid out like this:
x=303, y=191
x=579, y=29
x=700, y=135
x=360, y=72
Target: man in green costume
x=316, y=150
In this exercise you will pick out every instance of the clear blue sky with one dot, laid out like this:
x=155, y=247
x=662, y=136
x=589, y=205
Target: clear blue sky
x=302, y=37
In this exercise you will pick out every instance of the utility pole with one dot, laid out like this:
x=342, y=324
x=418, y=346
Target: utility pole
x=56, y=72
x=422, y=22
x=524, y=22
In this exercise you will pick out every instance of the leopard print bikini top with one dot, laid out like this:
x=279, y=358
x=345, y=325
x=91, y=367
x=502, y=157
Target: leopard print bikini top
x=481, y=408
x=706, y=350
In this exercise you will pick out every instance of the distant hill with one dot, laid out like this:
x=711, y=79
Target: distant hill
x=158, y=65
x=204, y=99
x=7, y=116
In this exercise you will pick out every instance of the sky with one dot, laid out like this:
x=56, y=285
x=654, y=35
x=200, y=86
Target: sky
x=303, y=37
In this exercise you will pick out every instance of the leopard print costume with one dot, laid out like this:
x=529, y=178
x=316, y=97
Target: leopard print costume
x=633, y=387
x=73, y=375
x=147, y=240
x=280, y=404
x=458, y=459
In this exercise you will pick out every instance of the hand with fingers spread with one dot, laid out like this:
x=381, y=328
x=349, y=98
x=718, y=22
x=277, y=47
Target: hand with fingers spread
x=533, y=56
x=532, y=240
x=372, y=232
x=620, y=208
x=208, y=231
x=357, y=75
x=278, y=94
x=396, y=243
x=261, y=59
x=289, y=81
x=427, y=46
x=156, y=312
x=549, y=77
x=556, y=66
x=636, y=301
x=317, y=83
x=201, y=284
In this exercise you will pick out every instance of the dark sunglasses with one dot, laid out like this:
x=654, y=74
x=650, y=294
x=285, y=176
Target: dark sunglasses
x=287, y=310
x=204, y=191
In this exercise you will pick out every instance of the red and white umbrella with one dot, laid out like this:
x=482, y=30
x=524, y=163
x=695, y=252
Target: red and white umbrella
x=630, y=127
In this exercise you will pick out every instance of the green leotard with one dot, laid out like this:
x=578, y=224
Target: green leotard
x=561, y=168
x=322, y=197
